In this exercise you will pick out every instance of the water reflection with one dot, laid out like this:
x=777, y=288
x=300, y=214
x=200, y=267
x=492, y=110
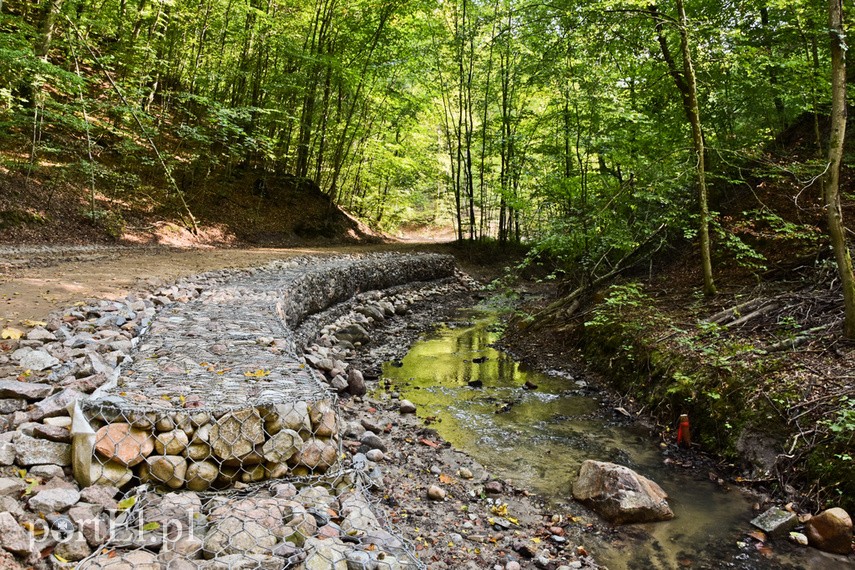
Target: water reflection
x=539, y=437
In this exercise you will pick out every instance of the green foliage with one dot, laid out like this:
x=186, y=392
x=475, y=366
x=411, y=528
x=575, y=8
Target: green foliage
x=111, y=222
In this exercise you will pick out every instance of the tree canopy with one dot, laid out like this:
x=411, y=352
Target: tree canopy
x=577, y=126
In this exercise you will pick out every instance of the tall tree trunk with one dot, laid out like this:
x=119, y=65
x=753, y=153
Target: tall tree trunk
x=50, y=12
x=836, y=229
x=698, y=142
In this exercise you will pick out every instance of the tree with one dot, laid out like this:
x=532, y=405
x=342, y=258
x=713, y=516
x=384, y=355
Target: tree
x=836, y=229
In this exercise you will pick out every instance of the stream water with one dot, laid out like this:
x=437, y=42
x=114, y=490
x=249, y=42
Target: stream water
x=538, y=438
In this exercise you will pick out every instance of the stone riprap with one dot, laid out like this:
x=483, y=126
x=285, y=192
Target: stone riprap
x=216, y=391
x=202, y=386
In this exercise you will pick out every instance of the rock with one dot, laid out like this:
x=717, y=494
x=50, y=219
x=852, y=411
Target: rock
x=353, y=333
x=339, y=383
x=7, y=453
x=55, y=405
x=329, y=554
x=436, y=493
x=316, y=455
x=12, y=537
x=293, y=416
x=373, y=441
x=169, y=470
x=171, y=442
x=322, y=416
x=775, y=522
x=52, y=433
x=10, y=505
x=101, y=495
x=493, y=488
x=374, y=455
x=132, y=560
x=11, y=486
x=201, y=475
x=282, y=446
x=53, y=500
x=12, y=405
x=32, y=451
x=74, y=549
x=123, y=444
x=356, y=383
x=798, y=538
x=830, y=531
x=38, y=360
x=620, y=495
x=465, y=473
x=198, y=451
x=110, y=473
x=407, y=407
x=237, y=535
x=46, y=471
x=24, y=390
x=41, y=334
x=236, y=434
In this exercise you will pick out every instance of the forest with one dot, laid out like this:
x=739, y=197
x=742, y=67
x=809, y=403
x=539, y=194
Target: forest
x=598, y=134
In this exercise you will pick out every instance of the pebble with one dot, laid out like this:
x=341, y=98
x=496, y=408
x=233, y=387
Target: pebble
x=436, y=493
x=374, y=455
x=407, y=407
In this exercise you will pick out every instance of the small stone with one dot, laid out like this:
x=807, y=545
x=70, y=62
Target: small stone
x=236, y=434
x=12, y=537
x=374, y=455
x=316, y=455
x=407, y=407
x=102, y=495
x=513, y=565
x=42, y=334
x=775, y=522
x=24, y=390
x=52, y=433
x=56, y=405
x=73, y=549
x=436, y=493
x=53, y=500
x=798, y=538
x=356, y=383
x=110, y=473
x=123, y=444
x=11, y=486
x=465, y=473
x=31, y=451
x=12, y=405
x=493, y=488
x=169, y=470
x=7, y=453
x=46, y=471
x=38, y=360
x=373, y=441
x=322, y=416
x=171, y=442
x=201, y=475
x=282, y=446
x=830, y=531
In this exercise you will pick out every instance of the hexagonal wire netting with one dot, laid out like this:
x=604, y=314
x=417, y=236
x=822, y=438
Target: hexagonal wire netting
x=228, y=445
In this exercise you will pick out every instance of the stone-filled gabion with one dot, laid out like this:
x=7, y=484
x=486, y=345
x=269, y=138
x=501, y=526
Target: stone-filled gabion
x=318, y=525
x=216, y=392
x=203, y=450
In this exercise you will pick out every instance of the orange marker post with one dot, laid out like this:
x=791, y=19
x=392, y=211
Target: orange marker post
x=684, y=438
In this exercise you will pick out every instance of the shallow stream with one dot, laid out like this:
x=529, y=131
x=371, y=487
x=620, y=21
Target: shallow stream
x=539, y=437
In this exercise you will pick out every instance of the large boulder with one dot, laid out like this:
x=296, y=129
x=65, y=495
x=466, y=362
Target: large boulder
x=831, y=531
x=619, y=494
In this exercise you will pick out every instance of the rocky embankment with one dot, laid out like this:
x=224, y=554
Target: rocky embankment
x=202, y=438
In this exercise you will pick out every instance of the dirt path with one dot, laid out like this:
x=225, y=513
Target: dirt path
x=36, y=281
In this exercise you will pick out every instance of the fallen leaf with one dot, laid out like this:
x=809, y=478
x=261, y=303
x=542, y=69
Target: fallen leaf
x=151, y=526
x=260, y=373
x=29, y=323
x=429, y=443
x=446, y=479
x=758, y=535
x=11, y=333
x=127, y=503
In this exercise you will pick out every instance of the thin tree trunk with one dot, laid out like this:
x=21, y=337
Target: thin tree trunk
x=46, y=27
x=836, y=229
x=693, y=111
